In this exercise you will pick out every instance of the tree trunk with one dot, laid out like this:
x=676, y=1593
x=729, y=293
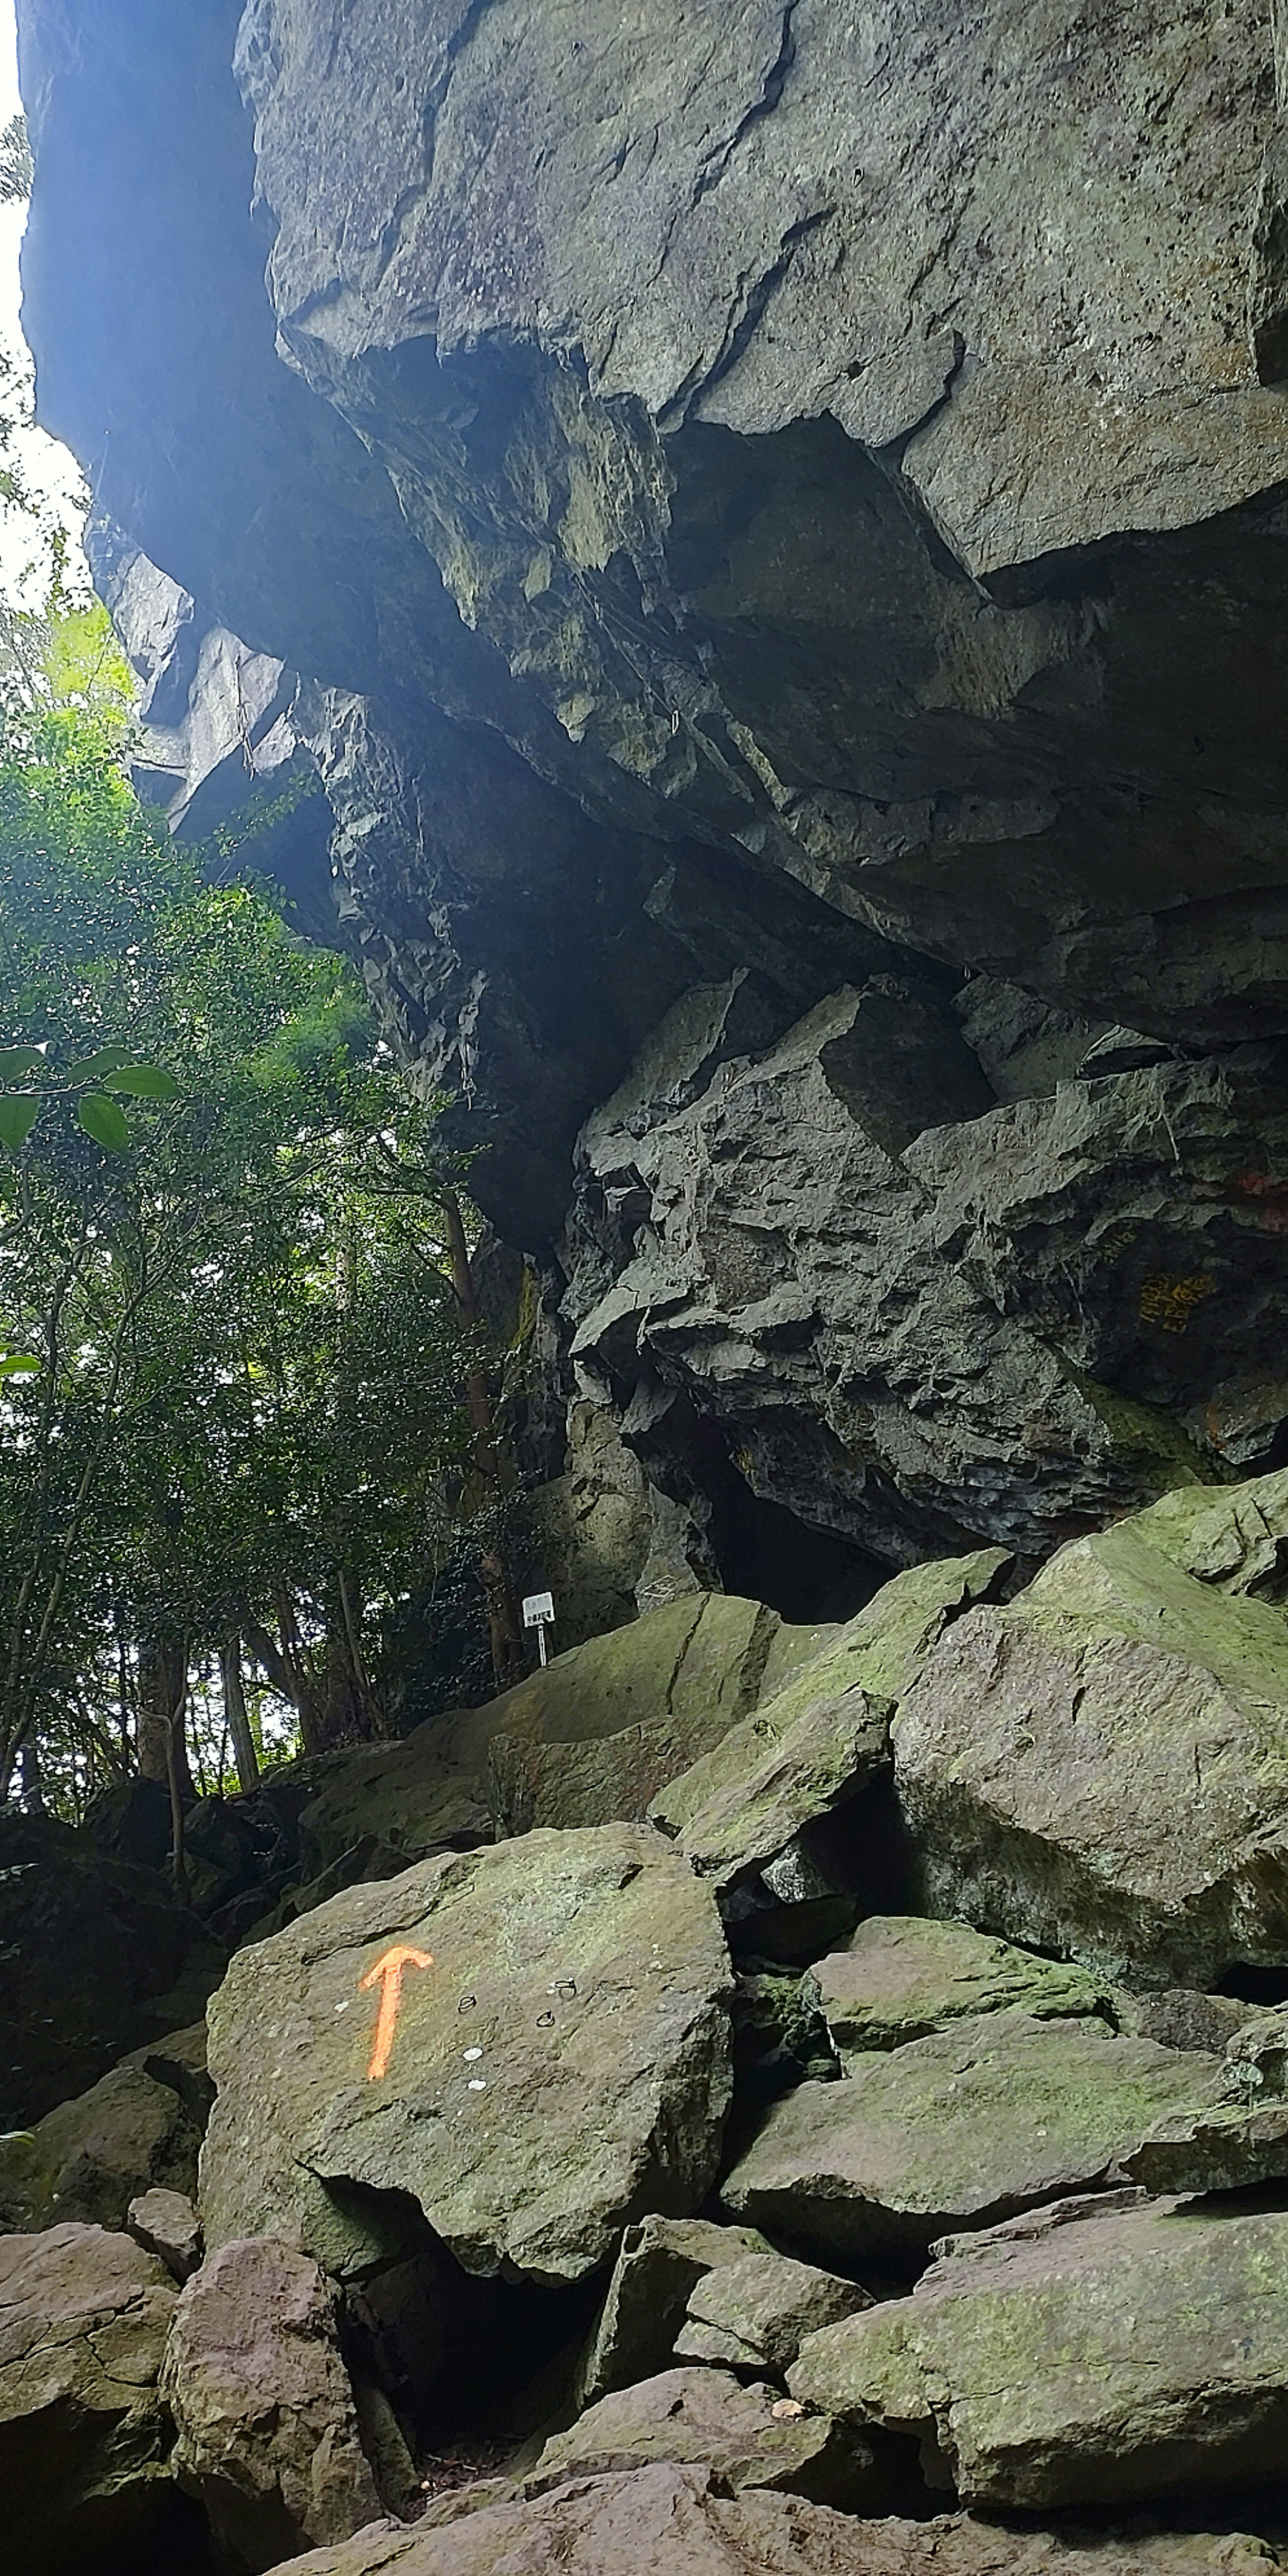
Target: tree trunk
x=243, y=1742
x=505, y=1636
x=163, y=1691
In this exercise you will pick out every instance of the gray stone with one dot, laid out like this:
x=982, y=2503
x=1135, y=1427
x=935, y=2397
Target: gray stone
x=755, y=2314
x=266, y=2424
x=901, y=1976
x=658, y=2264
x=84, y=2437
x=1099, y=1766
x=707, y=2419
x=165, y=2223
x=961, y=2129
x=558, y=2065
x=1096, y=2356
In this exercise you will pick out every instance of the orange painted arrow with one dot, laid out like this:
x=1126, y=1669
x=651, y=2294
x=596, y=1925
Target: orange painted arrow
x=388, y=1975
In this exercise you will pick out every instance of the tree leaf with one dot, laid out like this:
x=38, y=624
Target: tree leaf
x=102, y=1120
x=17, y=1062
x=143, y=1081
x=92, y=1068
x=18, y=1115
x=18, y=1364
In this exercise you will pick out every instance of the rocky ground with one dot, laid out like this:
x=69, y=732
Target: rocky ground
x=841, y=2123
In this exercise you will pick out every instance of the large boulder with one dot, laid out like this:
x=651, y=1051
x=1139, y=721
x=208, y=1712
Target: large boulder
x=981, y=2120
x=550, y=2060
x=264, y=2413
x=1101, y=1766
x=656, y=2521
x=84, y=2437
x=99, y=1957
x=1099, y=2353
x=824, y=1733
x=900, y=1977
x=138, y=2128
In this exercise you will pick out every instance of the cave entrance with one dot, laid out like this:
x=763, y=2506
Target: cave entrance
x=765, y=1553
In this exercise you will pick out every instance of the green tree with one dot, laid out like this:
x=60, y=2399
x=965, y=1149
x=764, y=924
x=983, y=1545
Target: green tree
x=231, y=1345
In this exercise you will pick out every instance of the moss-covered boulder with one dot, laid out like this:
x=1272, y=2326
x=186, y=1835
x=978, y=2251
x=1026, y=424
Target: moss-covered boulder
x=1101, y=2354
x=589, y=1740
x=755, y=2314
x=824, y=1733
x=958, y=2130
x=88, y=2159
x=902, y=1976
x=530, y=2041
x=1100, y=1767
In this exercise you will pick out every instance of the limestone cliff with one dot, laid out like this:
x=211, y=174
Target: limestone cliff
x=777, y=510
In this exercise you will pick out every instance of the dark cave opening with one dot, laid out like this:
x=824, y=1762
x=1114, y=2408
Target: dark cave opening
x=766, y=1554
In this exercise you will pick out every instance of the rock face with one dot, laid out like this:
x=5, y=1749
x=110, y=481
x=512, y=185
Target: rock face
x=793, y=652
x=872, y=2167
x=98, y=1958
x=267, y=2430
x=555, y=2061
x=1090, y=2355
x=83, y=2435
x=1099, y=1766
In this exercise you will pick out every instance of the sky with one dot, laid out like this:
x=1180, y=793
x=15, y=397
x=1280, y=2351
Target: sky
x=45, y=466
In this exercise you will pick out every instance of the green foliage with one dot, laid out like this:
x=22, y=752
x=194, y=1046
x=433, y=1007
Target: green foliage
x=230, y=1355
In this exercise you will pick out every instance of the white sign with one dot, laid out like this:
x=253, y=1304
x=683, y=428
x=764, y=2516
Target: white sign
x=539, y=1610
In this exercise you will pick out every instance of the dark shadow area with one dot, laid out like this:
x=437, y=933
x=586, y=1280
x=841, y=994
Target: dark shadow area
x=766, y=1554
x=1254, y=1985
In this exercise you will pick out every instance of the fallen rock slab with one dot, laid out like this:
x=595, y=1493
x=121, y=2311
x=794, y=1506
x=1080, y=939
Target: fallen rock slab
x=1100, y=1767
x=960, y=2129
x=554, y=2061
x=755, y=2314
x=824, y=1734
x=660, y=2521
x=902, y=1976
x=659, y=2262
x=1089, y=2356
x=84, y=2436
x=267, y=2429
x=746, y=2436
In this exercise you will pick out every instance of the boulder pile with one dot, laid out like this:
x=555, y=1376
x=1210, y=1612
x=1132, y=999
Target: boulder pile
x=882, y=2110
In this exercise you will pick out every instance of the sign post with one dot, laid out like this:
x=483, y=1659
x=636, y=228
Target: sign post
x=539, y=1613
